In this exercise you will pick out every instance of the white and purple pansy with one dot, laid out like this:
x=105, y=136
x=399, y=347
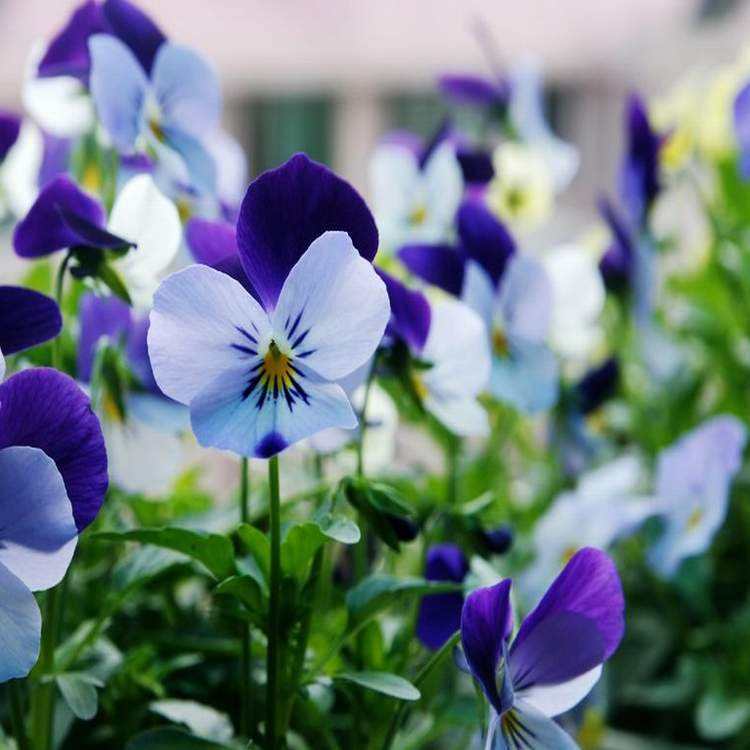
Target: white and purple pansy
x=693, y=480
x=53, y=471
x=512, y=295
x=27, y=318
x=256, y=351
x=450, y=354
x=417, y=189
x=556, y=657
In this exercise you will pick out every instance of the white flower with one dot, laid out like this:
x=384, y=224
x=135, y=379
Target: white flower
x=19, y=171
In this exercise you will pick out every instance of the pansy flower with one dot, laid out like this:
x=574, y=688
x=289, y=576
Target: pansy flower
x=741, y=122
x=512, y=295
x=143, y=232
x=138, y=420
x=53, y=470
x=442, y=338
x=693, y=480
x=416, y=190
x=556, y=657
x=617, y=263
x=440, y=614
x=467, y=89
x=257, y=359
x=27, y=318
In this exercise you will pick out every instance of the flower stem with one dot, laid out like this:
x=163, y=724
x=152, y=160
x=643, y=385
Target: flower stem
x=272, y=663
x=451, y=460
x=45, y=707
x=16, y=715
x=423, y=674
x=59, y=289
x=246, y=635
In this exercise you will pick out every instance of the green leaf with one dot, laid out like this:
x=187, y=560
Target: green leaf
x=383, y=682
x=214, y=551
x=246, y=589
x=202, y=721
x=299, y=547
x=339, y=528
x=477, y=505
x=719, y=715
x=256, y=543
x=79, y=692
x=168, y=738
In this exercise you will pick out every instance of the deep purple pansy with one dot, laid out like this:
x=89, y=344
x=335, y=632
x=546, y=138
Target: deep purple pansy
x=10, y=127
x=476, y=165
x=440, y=614
x=617, y=264
x=597, y=386
x=556, y=657
x=474, y=90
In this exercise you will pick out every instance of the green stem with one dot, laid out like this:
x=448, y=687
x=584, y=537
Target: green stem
x=451, y=479
x=246, y=635
x=16, y=715
x=272, y=663
x=423, y=674
x=59, y=289
x=45, y=705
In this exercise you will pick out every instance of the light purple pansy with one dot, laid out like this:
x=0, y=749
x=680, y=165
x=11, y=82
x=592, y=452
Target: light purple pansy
x=257, y=360
x=167, y=111
x=512, y=295
x=741, y=121
x=693, y=480
x=556, y=657
x=440, y=614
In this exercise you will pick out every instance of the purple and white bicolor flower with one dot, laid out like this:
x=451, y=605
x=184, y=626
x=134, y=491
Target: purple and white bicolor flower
x=448, y=339
x=166, y=111
x=554, y=660
x=416, y=190
x=512, y=295
x=255, y=346
x=53, y=471
x=693, y=480
x=27, y=318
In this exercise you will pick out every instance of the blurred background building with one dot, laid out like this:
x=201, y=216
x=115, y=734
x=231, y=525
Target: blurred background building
x=331, y=76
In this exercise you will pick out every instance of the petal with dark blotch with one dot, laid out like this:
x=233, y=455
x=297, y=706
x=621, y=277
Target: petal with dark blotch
x=484, y=239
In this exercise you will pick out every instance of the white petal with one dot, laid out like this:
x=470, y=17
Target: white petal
x=19, y=173
x=197, y=319
x=20, y=627
x=478, y=292
x=553, y=700
x=463, y=416
x=524, y=304
x=444, y=187
x=334, y=306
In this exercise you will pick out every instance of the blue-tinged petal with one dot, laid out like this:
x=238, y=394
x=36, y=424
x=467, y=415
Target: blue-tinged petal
x=287, y=208
x=410, y=313
x=484, y=239
x=27, y=318
x=441, y=265
x=132, y=26
x=39, y=533
x=68, y=52
x=193, y=155
x=525, y=300
x=474, y=90
x=440, y=614
x=527, y=378
x=45, y=409
x=577, y=625
x=55, y=159
x=10, y=127
x=20, y=627
x=158, y=412
x=119, y=88
x=136, y=348
x=741, y=119
x=187, y=90
x=486, y=624
x=62, y=216
x=553, y=700
x=525, y=728
x=100, y=318
x=210, y=241
x=333, y=308
x=203, y=322
x=232, y=266
x=479, y=293
x=259, y=420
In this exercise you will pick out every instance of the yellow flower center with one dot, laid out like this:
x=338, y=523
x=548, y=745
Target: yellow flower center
x=418, y=215
x=111, y=410
x=695, y=518
x=277, y=369
x=499, y=342
x=156, y=128
x=419, y=386
x=92, y=178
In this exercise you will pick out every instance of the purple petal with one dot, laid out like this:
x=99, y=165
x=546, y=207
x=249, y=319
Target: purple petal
x=440, y=614
x=45, y=409
x=232, y=266
x=597, y=386
x=476, y=165
x=440, y=135
x=68, y=52
x=44, y=230
x=137, y=352
x=440, y=265
x=27, y=318
x=484, y=239
x=10, y=127
x=100, y=317
x=210, y=241
x=133, y=27
x=741, y=117
x=410, y=313
x=577, y=625
x=616, y=265
x=473, y=90
x=486, y=623
x=285, y=209
x=55, y=159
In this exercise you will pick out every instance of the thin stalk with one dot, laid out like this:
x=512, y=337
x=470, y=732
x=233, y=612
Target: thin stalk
x=45, y=705
x=246, y=634
x=451, y=460
x=59, y=289
x=272, y=663
x=423, y=674
x=16, y=715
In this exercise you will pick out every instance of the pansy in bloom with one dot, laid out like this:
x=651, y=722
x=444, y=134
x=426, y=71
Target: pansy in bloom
x=53, y=471
x=449, y=358
x=556, y=657
x=257, y=359
x=166, y=111
x=440, y=614
x=416, y=190
x=27, y=318
x=143, y=231
x=138, y=420
x=694, y=476
x=512, y=295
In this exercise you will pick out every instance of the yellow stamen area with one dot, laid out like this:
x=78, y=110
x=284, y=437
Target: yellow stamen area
x=418, y=215
x=592, y=731
x=184, y=209
x=695, y=518
x=567, y=554
x=419, y=386
x=515, y=198
x=157, y=130
x=499, y=342
x=111, y=410
x=92, y=178
x=277, y=369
